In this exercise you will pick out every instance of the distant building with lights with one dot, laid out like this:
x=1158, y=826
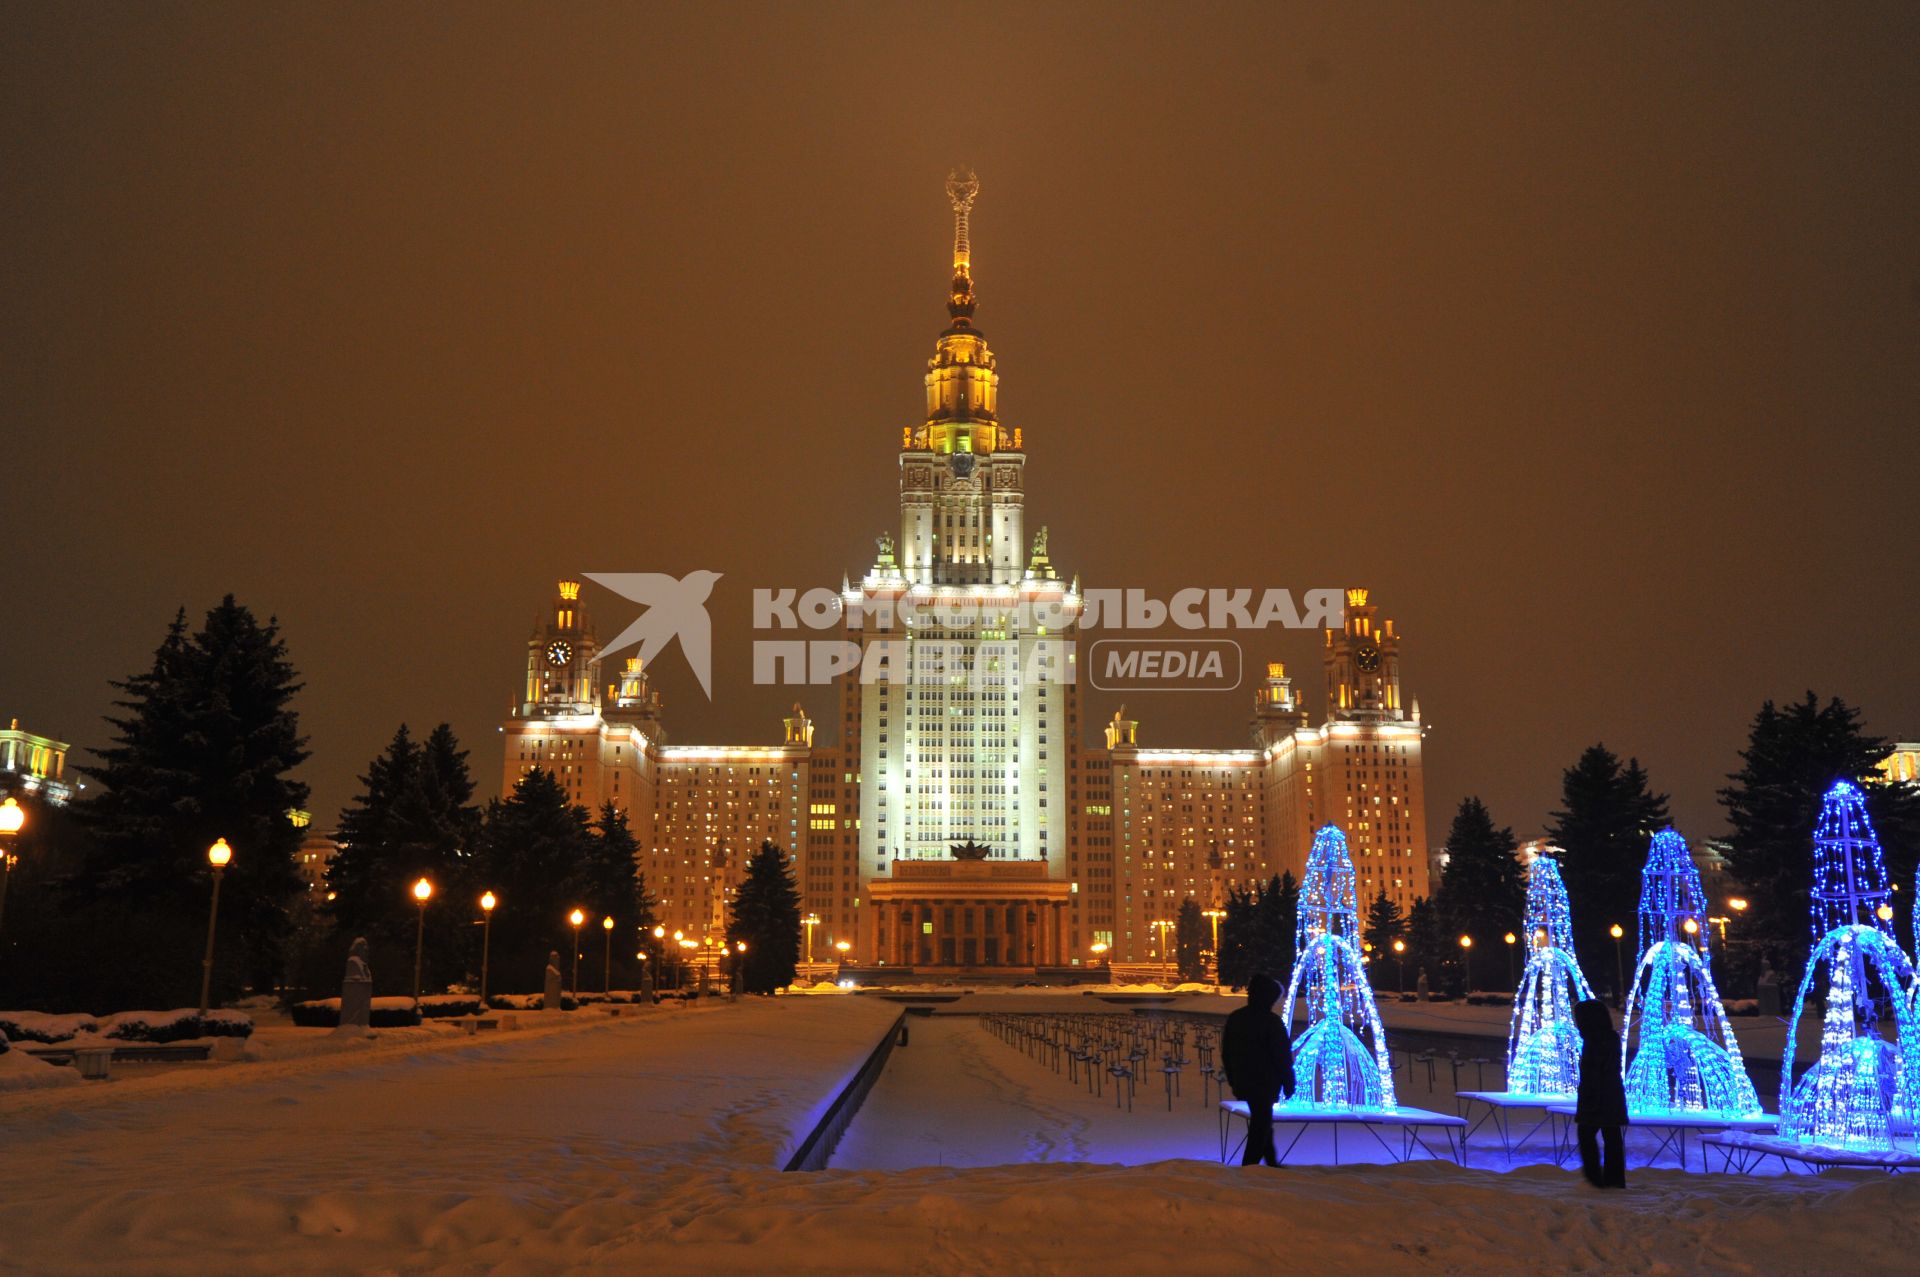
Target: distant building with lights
x=1902, y=763
x=963, y=825
x=34, y=764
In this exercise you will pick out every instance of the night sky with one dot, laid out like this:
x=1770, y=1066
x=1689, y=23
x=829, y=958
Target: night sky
x=1587, y=339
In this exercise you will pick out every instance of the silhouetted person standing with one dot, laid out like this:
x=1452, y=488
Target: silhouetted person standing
x=1600, y=1108
x=1259, y=1063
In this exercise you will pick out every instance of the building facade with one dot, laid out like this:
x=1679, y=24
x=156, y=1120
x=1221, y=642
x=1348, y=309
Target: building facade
x=958, y=820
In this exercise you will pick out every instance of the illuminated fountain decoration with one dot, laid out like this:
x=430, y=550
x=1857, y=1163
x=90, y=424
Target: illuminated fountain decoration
x=1543, y=1049
x=1685, y=1059
x=1341, y=1060
x=1864, y=1089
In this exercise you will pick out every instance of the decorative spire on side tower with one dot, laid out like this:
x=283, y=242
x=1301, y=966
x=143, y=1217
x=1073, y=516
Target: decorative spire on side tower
x=962, y=188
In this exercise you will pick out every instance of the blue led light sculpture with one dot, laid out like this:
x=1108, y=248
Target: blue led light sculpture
x=1864, y=1086
x=1543, y=1047
x=1341, y=1060
x=1685, y=1058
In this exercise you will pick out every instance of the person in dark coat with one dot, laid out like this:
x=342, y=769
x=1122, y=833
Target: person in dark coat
x=1258, y=1061
x=1600, y=1108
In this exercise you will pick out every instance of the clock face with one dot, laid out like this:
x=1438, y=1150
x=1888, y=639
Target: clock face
x=559, y=653
x=1367, y=658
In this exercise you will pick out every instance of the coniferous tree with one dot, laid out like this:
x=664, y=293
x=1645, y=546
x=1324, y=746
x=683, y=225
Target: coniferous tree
x=1257, y=934
x=413, y=818
x=766, y=915
x=1607, y=820
x=611, y=882
x=1794, y=755
x=204, y=749
x=1234, y=964
x=529, y=853
x=1426, y=944
x=1386, y=922
x=1189, y=941
x=1483, y=892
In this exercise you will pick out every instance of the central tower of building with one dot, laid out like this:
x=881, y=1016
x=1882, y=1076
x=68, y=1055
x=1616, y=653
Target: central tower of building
x=964, y=707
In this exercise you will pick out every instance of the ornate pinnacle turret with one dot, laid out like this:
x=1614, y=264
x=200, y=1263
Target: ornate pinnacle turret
x=962, y=188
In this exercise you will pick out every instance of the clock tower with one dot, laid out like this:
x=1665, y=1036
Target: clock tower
x=562, y=659
x=1363, y=666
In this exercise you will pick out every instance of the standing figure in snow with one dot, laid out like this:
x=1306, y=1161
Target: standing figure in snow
x=1258, y=1061
x=1600, y=1108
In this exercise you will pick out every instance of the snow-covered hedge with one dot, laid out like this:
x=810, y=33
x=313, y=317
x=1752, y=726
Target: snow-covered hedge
x=527, y=1001
x=126, y=1026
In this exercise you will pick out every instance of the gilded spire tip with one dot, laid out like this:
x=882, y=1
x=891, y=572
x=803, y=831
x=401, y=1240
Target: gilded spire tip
x=962, y=188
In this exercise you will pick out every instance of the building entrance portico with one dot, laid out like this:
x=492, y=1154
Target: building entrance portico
x=967, y=914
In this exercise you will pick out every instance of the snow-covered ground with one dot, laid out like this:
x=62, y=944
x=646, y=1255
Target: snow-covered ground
x=647, y=1144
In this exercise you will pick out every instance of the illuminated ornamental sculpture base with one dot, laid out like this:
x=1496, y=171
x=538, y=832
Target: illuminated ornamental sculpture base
x=1341, y=1060
x=1685, y=1058
x=1543, y=1048
x=1864, y=1090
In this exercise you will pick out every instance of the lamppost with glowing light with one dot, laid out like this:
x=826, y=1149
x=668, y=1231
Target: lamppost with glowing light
x=811, y=921
x=1100, y=951
x=487, y=902
x=1164, y=925
x=845, y=947
x=686, y=949
x=739, y=981
x=13, y=818
x=1400, y=957
x=606, y=973
x=578, y=918
x=1466, y=958
x=1213, y=916
x=1619, y=965
x=218, y=856
x=1513, y=975
x=422, y=892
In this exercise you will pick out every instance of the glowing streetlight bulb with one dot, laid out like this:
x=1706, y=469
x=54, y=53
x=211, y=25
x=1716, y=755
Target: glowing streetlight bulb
x=606, y=923
x=1511, y=938
x=488, y=901
x=576, y=917
x=12, y=817
x=1738, y=904
x=1884, y=913
x=1691, y=927
x=1615, y=931
x=1399, y=946
x=1466, y=942
x=422, y=891
x=218, y=855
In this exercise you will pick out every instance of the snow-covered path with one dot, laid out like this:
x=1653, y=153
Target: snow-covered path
x=588, y=1149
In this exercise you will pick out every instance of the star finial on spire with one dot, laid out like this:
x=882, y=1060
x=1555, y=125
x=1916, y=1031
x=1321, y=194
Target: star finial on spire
x=962, y=188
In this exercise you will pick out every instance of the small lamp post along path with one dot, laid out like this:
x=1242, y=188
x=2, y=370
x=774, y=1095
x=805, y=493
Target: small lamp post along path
x=1619, y=965
x=13, y=818
x=578, y=918
x=218, y=856
x=1400, y=956
x=487, y=902
x=422, y=892
x=845, y=947
x=606, y=975
x=812, y=920
x=1466, y=957
x=1513, y=977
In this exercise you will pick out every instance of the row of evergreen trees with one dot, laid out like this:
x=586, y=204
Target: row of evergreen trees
x=108, y=904
x=1608, y=815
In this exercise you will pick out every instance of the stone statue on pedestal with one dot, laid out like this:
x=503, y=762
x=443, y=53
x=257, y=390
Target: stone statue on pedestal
x=550, y=996
x=356, y=990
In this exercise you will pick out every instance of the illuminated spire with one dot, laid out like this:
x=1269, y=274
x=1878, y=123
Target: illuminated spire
x=962, y=188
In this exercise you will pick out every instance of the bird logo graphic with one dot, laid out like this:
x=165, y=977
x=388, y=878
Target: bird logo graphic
x=675, y=608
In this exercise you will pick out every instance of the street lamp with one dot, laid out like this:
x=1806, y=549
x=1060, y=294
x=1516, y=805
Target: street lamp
x=422, y=892
x=487, y=902
x=1513, y=976
x=845, y=947
x=1466, y=957
x=218, y=856
x=812, y=920
x=1400, y=957
x=606, y=974
x=1619, y=965
x=1164, y=925
x=578, y=919
x=1099, y=950
x=13, y=818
